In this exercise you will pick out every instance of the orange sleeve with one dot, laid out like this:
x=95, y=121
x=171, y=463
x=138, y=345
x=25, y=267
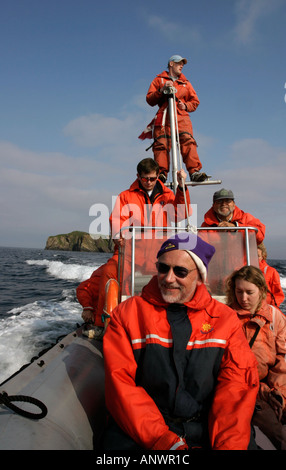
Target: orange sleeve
x=249, y=221
x=154, y=96
x=87, y=291
x=275, y=286
x=235, y=396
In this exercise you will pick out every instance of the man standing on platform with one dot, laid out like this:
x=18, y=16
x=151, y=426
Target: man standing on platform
x=186, y=102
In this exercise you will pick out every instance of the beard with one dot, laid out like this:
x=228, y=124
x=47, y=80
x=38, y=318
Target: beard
x=171, y=297
x=175, y=294
x=224, y=213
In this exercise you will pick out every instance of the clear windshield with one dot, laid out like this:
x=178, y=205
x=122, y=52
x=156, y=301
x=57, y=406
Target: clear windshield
x=234, y=249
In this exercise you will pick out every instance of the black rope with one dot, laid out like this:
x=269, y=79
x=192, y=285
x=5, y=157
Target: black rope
x=6, y=400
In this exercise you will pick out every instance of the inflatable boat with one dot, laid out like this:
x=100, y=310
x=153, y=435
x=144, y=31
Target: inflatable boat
x=57, y=401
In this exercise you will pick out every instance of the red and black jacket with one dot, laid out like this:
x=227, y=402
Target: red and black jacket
x=220, y=376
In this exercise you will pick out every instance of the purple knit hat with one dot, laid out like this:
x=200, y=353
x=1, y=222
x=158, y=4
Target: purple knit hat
x=200, y=251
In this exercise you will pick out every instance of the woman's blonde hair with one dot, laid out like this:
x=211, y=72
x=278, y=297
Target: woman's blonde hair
x=246, y=273
x=262, y=247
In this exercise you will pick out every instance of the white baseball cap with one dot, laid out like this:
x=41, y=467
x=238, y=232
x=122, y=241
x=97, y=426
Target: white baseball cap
x=177, y=58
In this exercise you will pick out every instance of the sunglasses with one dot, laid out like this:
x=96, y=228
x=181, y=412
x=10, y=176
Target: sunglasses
x=179, y=271
x=145, y=179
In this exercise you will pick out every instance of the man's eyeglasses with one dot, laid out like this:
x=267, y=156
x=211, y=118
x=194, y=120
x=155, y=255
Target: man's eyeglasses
x=145, y=179
x=223, y=201
x=179, y=271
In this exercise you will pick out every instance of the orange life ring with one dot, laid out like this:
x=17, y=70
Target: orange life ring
x=111, y=299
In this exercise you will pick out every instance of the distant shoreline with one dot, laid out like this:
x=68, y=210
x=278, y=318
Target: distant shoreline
x=79, y=241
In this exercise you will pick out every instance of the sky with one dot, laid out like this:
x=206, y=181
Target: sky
x=73, y=83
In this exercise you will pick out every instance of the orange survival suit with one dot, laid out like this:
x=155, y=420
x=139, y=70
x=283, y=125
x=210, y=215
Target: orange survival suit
x=269, y=347
x=161, y=130
x=87, y=294
x=220, y=378
x=275, y=294
x=240, y=218
x=134, y=207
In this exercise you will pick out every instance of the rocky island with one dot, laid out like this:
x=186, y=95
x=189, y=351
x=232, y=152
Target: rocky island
x=79, y=241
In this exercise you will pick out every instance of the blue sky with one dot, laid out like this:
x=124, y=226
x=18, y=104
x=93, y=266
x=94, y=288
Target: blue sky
x=74, y=76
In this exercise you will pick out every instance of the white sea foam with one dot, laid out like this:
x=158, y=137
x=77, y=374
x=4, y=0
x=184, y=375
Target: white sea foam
x=31, y=327
x=36, y=324
x=283, y=282
x=60, y=270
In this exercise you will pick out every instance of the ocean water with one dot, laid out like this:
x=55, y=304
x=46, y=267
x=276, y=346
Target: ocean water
x=38, y=301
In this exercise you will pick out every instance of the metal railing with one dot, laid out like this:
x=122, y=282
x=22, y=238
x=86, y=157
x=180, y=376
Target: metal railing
x=162, y=233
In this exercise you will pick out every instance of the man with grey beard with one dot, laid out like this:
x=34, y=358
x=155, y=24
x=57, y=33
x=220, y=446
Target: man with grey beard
x=224, y=213
x=179, y=373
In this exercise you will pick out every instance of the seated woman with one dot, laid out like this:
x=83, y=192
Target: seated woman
x=265, y=328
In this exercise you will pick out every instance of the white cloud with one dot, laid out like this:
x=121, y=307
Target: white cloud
x=97, y=130
x=260, y=189
x=173, y=31
x=49, y=193
x=255, y=171
x=248, y=15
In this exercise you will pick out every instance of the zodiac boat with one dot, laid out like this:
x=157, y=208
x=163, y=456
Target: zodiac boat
x=57, y=401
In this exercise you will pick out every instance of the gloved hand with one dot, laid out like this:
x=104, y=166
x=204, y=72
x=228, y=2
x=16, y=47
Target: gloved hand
x=276, y=402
